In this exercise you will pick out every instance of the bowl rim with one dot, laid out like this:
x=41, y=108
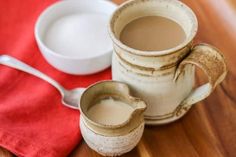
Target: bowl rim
x=41, y=17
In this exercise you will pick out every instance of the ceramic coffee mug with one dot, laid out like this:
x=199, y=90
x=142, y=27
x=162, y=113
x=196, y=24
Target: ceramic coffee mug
x=164, y=79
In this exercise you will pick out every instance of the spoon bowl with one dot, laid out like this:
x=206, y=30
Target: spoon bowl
x=72, y=97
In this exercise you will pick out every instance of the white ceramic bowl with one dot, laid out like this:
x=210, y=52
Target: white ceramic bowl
x=61, y=61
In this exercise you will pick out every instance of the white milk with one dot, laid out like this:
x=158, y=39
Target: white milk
x=110, y=112
x=79, y=35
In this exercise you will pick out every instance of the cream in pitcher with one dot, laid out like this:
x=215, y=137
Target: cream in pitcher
x=154, y=54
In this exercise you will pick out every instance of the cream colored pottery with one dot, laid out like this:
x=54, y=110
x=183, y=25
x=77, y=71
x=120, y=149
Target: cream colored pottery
x=164, y=79
x=111, y=140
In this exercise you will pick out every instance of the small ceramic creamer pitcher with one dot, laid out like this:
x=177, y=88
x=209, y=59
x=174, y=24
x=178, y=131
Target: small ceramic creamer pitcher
x=164, y=79
x=112, y=139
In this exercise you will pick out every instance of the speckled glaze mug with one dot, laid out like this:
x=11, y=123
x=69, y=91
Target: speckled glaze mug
x=164, y=79
x=115, y=139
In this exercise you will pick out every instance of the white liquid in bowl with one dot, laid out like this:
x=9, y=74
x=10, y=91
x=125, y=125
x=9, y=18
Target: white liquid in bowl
x=79, y=35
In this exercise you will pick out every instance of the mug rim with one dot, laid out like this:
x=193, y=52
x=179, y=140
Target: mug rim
x=131, y=50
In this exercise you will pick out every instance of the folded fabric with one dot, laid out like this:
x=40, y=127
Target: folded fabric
x=33, y=121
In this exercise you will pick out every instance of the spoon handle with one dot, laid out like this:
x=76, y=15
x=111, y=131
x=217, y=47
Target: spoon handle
x=17, y=64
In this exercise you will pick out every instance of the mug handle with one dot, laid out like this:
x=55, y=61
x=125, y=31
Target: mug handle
x=212, y=62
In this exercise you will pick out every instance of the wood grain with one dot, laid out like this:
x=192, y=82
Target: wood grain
x=209, y=129
x=5, y=153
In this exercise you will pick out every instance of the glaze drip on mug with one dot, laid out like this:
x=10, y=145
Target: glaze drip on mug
x=110, y=112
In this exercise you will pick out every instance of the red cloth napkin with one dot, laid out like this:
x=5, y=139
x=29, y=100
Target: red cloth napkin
x=33, y=122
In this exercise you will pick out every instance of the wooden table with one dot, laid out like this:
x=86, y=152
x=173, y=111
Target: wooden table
x=209, y=129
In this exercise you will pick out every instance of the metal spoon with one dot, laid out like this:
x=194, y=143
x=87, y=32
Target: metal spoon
x=70, y=98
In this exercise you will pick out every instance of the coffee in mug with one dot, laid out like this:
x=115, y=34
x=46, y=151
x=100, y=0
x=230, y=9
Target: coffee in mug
x=152, y=33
